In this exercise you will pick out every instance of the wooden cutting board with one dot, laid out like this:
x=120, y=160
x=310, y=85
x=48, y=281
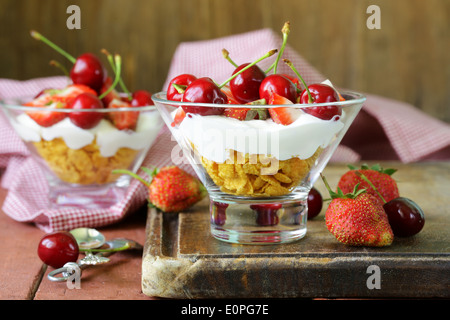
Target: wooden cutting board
x=182, y=260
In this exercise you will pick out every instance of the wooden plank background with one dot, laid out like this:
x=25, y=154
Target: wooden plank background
x=407, y=59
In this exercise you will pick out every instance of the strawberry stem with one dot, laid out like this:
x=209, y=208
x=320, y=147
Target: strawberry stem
x=118, y=67
x=285, y=30
x=268, y=54
x=36, y=35
x=132, y=174
x=291, y=65
x=226, y=55
x=362, y=176
x=109, y=57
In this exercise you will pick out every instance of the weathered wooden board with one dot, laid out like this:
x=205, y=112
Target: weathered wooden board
x=182, y=260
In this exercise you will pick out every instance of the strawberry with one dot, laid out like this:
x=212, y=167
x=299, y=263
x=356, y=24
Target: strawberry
x=282, y=115
x=357, y=219
x=247, y=113
x=113, y=94
x=237, y=113
x=179, y=116
x=48, y=118
x=123, y=120
x=386, y=188
x=171, y=189
x=54, y=99
x=70, y=92
x=231, y=98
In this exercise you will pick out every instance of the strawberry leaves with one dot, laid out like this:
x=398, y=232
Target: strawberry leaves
x=375, y=167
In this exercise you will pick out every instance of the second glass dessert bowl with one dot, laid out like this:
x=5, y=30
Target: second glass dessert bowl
x=78, y=162
x=258, y=173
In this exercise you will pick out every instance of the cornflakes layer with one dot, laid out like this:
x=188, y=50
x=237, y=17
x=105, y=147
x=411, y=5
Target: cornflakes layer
x=85, y=165
x=258, y=175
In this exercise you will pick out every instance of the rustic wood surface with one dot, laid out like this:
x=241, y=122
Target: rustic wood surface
x=24, y=277
x=179, y=253
x=182, y=260
x=407, y=59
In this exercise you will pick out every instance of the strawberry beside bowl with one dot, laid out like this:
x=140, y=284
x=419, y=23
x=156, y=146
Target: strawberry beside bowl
x=258, y=160
x=78, y=142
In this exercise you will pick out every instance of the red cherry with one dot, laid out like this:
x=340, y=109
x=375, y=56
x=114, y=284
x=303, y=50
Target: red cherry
x=183, y=80
x=57, y=248
x=321, y=93
x=245, y=86
x=266, y=213
x=85, y=120
x=141, y=98
x=405, y=216
x=280, y=85
x=204, y=90
x=315, y=203
x=88, y=70
x=218, y=213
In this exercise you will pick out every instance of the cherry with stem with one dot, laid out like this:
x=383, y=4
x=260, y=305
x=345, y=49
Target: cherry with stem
x=87, y=68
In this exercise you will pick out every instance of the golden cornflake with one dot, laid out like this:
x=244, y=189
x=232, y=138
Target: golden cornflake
x=258, y=175
x=85, y=165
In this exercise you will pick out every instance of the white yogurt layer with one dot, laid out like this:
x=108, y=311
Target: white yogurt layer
x=214, y=136
x=108, y=137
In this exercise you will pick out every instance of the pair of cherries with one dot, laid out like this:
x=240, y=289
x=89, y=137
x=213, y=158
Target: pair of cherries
x=88, y=70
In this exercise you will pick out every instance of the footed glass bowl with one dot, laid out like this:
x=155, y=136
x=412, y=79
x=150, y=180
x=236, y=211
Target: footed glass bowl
x=258, y=173
x=77, y=162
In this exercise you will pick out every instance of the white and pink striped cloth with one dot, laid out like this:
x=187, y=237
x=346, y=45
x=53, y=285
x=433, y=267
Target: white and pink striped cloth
x=384, y=130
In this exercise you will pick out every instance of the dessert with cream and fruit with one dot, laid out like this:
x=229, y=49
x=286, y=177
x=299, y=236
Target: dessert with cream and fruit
x=261, y=140
x=86, y=130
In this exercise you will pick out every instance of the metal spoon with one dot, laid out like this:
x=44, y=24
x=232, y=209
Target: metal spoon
x=114, y=245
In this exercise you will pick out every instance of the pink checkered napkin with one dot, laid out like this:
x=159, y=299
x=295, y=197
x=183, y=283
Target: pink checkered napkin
x=410, y=134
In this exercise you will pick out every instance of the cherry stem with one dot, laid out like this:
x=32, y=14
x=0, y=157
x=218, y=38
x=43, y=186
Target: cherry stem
x=59, y=66
x=268, y=54
x=226, y=55
x=362, y=176
x=118, y=67
x=289, y=63
x=179, y=87
x=36, y=35
x=109, y=57
x=285, y=30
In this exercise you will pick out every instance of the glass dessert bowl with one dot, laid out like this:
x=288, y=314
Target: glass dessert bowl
x=258, y=173
x=78, y=158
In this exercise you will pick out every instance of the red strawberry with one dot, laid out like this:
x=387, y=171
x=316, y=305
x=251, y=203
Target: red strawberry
x=122, y=120
x=171, y=189
x=70, y=92
x=357, y=219
x=231, y=98
x=48, y=118
x=282, y=115
x=247, y=113
x=54, y=99
x=113, y=94
x=380, y=178
x=237, y=113
x=180, y=114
